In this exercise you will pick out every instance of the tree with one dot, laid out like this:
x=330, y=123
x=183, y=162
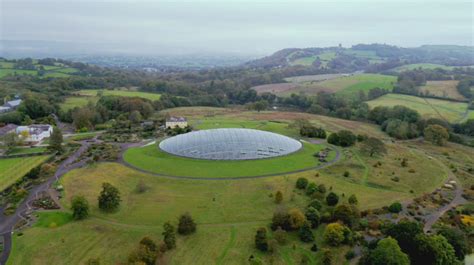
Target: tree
x=457, y=239
x=10, y=141
x=311, y=188
x=316, y=204
x=297, y=218
x=281, y=219
x=79, y=207
x=387, y=252
x=342, y=138
x=278, y=197
x=56, y=141
x=327, y=256
x=436, y=134
x=260, y=105
x=135, y=117
x=373, y=146
x=353, y=199
x=280, y=236
x=433, y=249
x=109, y=198
x=301, y=183
x=405, y=232
x=395, y=207
x=261, y=241
x=147, y=253
x=334, y=234
x=186, y=224
x=305, y=233
x=332, y=199
x=313, y=216
x=169, y=236
x=345, y=214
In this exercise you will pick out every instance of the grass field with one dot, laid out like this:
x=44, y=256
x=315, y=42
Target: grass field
x=346, y=86
x=85, y=96
x=121, y=93
x=446, y=89
x=227, y=213
x=422, y=66
x=72, y=102
x=7, y=68
x=12, y=169
x=28, y=150
x=152, y=159
x=427, y=107
x=306, y=61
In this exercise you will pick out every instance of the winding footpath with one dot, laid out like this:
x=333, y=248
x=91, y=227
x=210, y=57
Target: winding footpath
x=7, y=223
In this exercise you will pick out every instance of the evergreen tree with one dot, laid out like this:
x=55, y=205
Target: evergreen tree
x=313, y=216
x=169, y=236
x=332, y=199
x=56, y=141
x=305, y=233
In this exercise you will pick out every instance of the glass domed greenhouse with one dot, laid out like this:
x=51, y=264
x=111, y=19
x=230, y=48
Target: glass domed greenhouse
x=230, y=144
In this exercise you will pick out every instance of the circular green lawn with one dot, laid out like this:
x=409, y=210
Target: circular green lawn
x=152, y=159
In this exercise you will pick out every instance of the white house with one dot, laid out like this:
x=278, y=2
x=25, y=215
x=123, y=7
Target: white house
x=174, y=122
x=10, y=105
x=35, y=132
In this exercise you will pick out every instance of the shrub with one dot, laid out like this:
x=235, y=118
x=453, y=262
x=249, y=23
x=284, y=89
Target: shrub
x=169, y=236
x=301, y=183
x=261, y=242
x=395, y=207
x=186, y=224
x=332, y=199
x=280, y=236
x=297, y=218
x=353, y=199
x=334, y=234
x=79, y=207
x=313, y=216
x=350, y=255
x=316, y=204
x=141, y=187
x=311, y=188
x=346, y=174
x=322, y=188
x=278, y=197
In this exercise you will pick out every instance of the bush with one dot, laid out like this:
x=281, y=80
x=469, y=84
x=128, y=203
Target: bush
x=353, y=199
x=316, y=204
x=301, y=183
x=280, y=236
x=395, y=207
x=332, y=199
x=261, y=242
x=350, y=255
x=342, y=138
x=186, y=224
x=79, y=207
x=311, y=188
x=305, y=233
x=313, y=216
x=346, y=174
x=278, y=197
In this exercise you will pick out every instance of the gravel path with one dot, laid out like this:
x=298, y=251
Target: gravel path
x=7, y=223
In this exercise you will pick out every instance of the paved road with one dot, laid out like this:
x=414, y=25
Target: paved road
x=7, y=223
x=122, y=161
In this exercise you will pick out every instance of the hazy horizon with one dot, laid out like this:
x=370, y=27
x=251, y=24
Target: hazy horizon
x=240, y=27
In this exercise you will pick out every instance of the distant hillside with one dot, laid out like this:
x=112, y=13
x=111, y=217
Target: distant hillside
x=367, y=57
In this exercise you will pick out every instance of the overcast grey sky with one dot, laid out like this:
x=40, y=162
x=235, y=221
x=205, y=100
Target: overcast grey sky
x=249, y=27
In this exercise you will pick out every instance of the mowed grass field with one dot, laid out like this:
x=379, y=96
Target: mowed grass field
x=227, y=213
x=121, y=93
x=427, y=107
x=445, y=89
x=346, y=86
x=90, y=95
x=153, y=159
x=12, y=169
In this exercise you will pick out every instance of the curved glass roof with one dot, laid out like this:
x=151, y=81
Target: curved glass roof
x=230, y=144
